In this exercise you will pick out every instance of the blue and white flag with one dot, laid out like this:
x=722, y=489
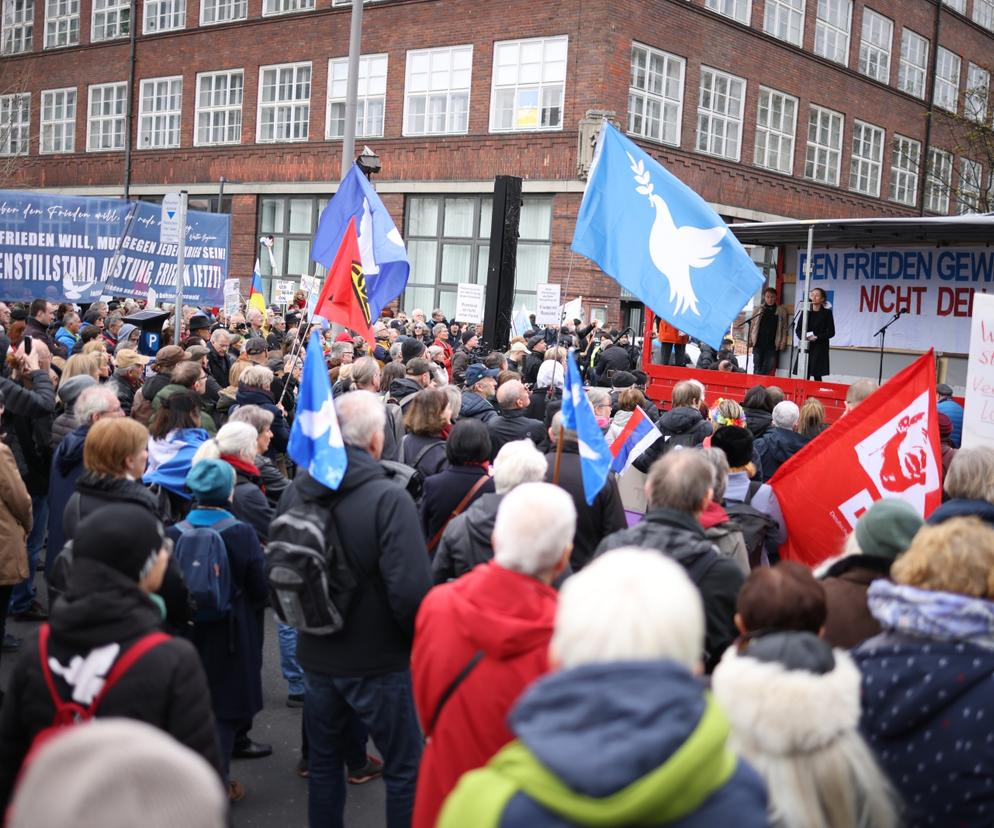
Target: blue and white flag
x=632, y=441
x=661, y=241
x=316, y=440
x=384, y=257
x=578, y=415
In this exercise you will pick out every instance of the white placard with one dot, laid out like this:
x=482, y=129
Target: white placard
x=978, y=413
x=169, y=222
x=572, y=310
x=282, y=291
x=469, y=303
x=548, y=305
x=311, y=285
x=232, y=296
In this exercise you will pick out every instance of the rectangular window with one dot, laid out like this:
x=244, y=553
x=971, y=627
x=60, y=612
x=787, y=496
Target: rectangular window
x=875, y=44
x=291, y=221
x=785, y=19
x=286, y=6
x=528, y=86
x=983, y=13
x=61, y=23
x=914, y=60
x=867, y=158
x=978, y=83
x=18, y=26
x=111, y=19
x=823, y=156
x=164, y=16
x=776, y=122
x=58, y=121
x=970, y=176
x=655, y=95
x=905, y=160
x=938, y=180
x=436, y=97
x=832, y=27
x=740, y=10
x=106, y=117
x=15, y=120
x=957, y=5
x=219, y=108
x=284, y=103
x=222, y=11
x=159, y=116
x=371, y=100
x=719, y=114
x=947, y=67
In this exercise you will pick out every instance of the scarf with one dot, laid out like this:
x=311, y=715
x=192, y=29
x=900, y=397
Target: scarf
x=926, y=613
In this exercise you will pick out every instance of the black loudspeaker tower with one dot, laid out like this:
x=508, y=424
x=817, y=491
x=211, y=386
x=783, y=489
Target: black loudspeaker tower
x=503, y=258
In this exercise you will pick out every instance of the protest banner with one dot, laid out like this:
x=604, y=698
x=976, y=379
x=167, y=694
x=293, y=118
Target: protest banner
x=978, y=411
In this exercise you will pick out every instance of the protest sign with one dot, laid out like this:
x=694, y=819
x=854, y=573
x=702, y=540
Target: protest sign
x=232, y=296
x=978, y=412
x=282, y=291
x=548, y=305
x=469, y=302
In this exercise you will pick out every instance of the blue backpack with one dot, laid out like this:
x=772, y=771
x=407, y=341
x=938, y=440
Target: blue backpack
x=203, y=560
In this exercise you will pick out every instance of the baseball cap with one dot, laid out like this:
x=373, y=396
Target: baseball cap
x=518, y=348
x=129, y=357
x=478, y=371
x=256, y=345
x=417, y=366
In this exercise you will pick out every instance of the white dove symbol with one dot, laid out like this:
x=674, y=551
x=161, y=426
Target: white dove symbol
x=674, y=250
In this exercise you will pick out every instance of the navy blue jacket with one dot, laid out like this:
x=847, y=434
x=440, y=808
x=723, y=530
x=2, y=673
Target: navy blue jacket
x=444, y=491
x=264, y=399
x=67, y=469
x=961, y=507
x=473, y=405
x=776, y=447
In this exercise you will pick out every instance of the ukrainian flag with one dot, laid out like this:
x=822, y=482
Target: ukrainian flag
x=256, y=298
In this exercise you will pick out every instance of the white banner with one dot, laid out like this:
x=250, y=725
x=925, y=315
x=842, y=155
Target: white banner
x=978, y=413
x=469, y=302
x=934, y=287
x=548, y=304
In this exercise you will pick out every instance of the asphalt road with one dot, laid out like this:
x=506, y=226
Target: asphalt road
x=275, y=794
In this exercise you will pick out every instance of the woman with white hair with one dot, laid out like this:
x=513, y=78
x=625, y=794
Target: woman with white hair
x=254, y=388
x=548, y=386
x=273, y=481
x=969, y=486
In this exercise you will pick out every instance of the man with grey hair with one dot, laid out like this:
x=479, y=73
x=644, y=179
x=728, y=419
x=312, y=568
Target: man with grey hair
x=512, y=424
x=857, y=392
x=492, y=627
x=679, y=489
x=466, y=540
x=219, y=357
x=363, y=669
x=780, y=442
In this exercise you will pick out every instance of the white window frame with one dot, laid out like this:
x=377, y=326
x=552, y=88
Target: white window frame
x=15, y=135
x=451, y=91
x=17, y=27
x=641, y=99
x=778, y=128
x=739, y=10
x=373, y=71
x=116, y=16
x=875, y=45
x=234, y=10
x=172, y=11
x=970, y=178
x=712, y=113
x=938, y=180
x=61, y=23
x=817, y=152
x=977, y=93
x=160, y=116
x=289, y=104
x=912, y=75
x=548, y=88
x=271, y=8
x=905, y=164
x=784, y=19
x=231, y=112
x=833, y=25
x=120, y=90
x=983, y=13
x=947, y=72
x=956, y=5
x=867, y=159
x=57, y=134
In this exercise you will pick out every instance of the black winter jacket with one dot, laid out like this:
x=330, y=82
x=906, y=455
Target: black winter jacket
x=466, y=540
x=265, y=400
x=776, y=447
x=513, y=425
x=402, y=388
x=27, y=418
x=612, y=358
x=379, y=528
x=218, y=366
x=677, y=421
x=444, y=491
x=433, y=460
x=124, y=391
x=718, y=578
x=758, y=421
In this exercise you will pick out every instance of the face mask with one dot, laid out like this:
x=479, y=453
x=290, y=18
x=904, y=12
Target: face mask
x=160, y=603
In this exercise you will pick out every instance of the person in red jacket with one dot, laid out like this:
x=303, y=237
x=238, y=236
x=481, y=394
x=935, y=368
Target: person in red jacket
x=480, y=640
x=672, y=342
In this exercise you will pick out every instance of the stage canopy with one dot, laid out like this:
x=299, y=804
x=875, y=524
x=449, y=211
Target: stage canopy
x=878, y=232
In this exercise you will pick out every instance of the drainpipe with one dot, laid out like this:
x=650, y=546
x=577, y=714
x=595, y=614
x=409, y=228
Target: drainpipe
x=130, y=114
x=930, y=98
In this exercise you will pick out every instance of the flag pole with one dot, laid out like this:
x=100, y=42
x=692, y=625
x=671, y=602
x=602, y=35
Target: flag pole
x=295, y=351
x=805, y=353
x=559, y=453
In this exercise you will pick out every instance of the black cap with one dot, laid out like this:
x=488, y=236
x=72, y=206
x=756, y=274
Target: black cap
x=199, y=321
x=124, y=536
x=736, y=442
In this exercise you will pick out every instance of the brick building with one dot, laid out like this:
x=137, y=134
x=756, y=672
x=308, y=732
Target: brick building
x=768, y=108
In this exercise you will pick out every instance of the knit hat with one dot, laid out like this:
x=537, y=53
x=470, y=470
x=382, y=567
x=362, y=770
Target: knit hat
x=124, y=536
x=118, y=773
x=467, y=336
x=412, y=349
x=169, y=356
x=212, y=482
x=736, y=442
x=70, y=389
x=945, y=427
x=623, y=379
x=887, y=528
x=127, y=329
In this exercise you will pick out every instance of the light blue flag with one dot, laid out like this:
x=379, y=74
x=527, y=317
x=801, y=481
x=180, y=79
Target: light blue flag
x=316, y=440
x=578, y=416
x=384, y=257
x=661, y=241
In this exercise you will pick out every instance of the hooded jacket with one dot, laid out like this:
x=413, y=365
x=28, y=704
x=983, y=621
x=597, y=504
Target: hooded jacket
x=683, y=422
x=776, y=447
x=403, y=387
x=466, y=540
x=849, y=622
x=509, y=617
x=758, y=421
x=617, y=744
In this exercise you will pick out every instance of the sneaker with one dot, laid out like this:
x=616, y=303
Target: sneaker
x=236, y=791
x=302, y=769
x=35, y=612
x=295, y=700
x=371, y=770
x=11, y=644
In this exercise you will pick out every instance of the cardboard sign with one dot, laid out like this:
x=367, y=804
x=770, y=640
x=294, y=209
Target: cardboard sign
x=978, y=413
x=469, y=303
x=548, y=312
x=282, y=291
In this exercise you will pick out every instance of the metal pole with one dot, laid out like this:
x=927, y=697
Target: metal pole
x=220, y=194
x=352, y=87
x=180, y=267
x=807, y=305
x=129, y=114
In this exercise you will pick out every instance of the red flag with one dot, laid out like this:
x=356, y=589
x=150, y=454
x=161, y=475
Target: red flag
x=343, y=296
x=888, y=447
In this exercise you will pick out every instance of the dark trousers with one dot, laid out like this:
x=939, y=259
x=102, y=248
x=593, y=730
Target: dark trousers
x=227, y=732
x=354, y=749
x=667, y=348
x=385, y=705
x=764, y=360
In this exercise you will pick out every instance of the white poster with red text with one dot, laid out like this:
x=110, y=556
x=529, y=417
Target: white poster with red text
x=978, y=411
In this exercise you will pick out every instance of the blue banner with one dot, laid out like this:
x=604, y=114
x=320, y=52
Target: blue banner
x=69, y=248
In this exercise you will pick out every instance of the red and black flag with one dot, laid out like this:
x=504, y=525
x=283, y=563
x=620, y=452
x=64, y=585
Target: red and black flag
x=343, y=296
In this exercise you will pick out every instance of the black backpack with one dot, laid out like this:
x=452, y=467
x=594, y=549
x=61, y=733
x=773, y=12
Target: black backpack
x=312, y=582
x=755, y=525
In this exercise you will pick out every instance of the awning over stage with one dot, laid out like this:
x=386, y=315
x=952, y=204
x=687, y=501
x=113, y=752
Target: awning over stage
x=939, y=231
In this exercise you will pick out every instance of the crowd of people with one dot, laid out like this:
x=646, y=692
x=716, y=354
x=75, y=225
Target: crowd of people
x=517, y=654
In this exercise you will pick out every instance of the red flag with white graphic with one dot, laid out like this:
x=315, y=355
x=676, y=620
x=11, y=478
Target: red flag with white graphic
x=343, y=298
x=888, y=447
